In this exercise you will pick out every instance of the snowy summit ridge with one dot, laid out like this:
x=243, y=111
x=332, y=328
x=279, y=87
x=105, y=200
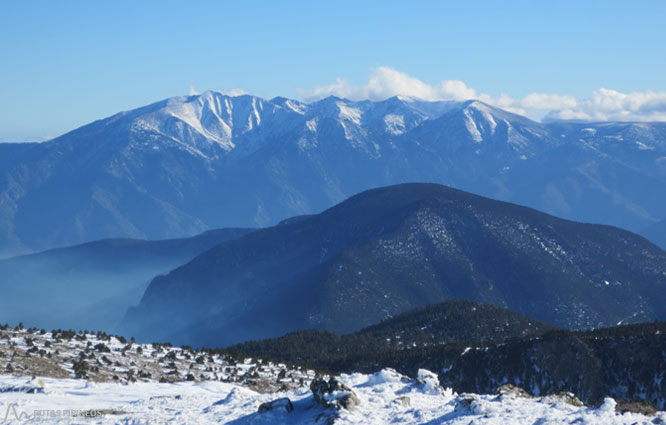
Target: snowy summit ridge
x=172, y=168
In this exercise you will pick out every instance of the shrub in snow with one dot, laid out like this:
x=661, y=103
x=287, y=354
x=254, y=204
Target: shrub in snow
x=102, y=348
x=80, y=368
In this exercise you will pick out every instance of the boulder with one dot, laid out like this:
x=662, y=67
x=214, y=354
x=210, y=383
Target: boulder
x=468, y=404
x=280, y=403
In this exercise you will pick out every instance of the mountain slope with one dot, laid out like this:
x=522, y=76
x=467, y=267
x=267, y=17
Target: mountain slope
x=92, y=285
x=392, y=249
x=455, y=321
x=187, y=164
x=625, y=362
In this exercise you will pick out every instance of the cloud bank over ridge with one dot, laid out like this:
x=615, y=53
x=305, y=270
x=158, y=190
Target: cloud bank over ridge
x=603, y=104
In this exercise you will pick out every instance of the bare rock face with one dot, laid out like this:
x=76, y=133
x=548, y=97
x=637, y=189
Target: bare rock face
x=334, y=394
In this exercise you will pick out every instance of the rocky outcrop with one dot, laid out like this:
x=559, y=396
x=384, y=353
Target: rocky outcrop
x=511, y=391
x=566, y=397
x=428, y=381
x=333, y=394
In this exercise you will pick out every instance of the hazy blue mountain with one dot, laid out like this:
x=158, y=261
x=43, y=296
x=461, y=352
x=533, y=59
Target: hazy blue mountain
x=392, y=249
x=183, y=165
x=91, y=285
x=656, y=233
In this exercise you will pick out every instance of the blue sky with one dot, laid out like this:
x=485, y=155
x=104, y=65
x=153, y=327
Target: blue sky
x=67, y=63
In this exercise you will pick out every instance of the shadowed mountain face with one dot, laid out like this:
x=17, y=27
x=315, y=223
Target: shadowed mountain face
x=92, y=285
x=183, y=165
x=392, y=249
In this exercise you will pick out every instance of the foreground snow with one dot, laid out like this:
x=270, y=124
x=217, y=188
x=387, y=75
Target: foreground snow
x=385, y=397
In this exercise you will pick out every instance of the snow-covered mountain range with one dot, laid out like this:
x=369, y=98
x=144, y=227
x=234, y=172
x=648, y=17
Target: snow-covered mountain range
x=186, y=164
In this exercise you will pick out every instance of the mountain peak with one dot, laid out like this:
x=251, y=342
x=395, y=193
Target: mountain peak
x=290, y=104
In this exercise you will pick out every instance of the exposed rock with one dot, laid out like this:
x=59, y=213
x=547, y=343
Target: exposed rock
x=280, y=403
x=636, y=406
x=327, y=418
x=467, y=404
x=509, y=390
x=334, y=394
x=404, y=401
x=566, y=397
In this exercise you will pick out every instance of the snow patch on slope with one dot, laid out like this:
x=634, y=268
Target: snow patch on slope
x=486, y=114
x=349, y=113
x=470, y=124
x=394, y=124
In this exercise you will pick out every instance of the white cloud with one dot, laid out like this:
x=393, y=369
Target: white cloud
x=611, y=105
x=234, y=92
x=385, y=82
x=231, y=92
x=547, y=101
x=602, y=105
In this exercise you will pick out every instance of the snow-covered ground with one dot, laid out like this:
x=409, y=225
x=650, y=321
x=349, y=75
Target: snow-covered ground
x=384, y=398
